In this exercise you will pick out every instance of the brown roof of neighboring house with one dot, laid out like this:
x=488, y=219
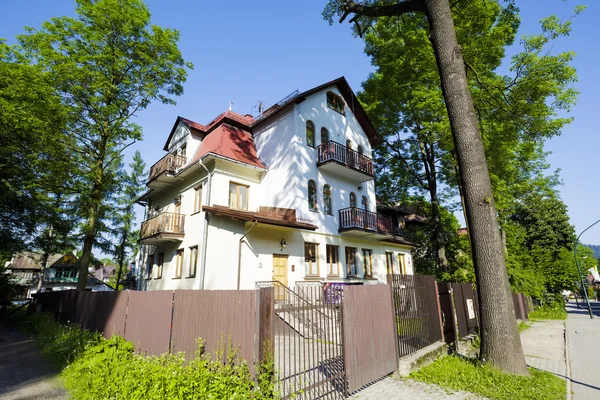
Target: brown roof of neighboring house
x=230, y=142
x=33, y=260
x=263, y=218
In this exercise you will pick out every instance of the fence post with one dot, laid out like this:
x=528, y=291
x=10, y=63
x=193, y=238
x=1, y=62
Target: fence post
x=266, y=334
x=390, y=282
x=439, y=309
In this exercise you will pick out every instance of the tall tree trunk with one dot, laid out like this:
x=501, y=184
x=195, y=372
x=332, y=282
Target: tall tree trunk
x=428, y=159
x=500, y=341
x=90, y=228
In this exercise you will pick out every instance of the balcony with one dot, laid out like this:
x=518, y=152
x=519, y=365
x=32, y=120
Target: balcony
x=165, y=227
x=344, y=161
x=161, y=173
x=358, y=222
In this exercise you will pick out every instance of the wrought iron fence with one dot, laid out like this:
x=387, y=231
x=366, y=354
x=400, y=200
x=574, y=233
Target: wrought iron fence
x=307, y=342
x=416, y=308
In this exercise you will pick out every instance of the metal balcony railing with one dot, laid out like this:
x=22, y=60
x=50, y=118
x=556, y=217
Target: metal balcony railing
x=357, y=218
x=166, y=222
x=334, y=151
x=169, y=163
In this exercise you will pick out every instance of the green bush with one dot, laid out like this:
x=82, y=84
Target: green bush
x=472, y=376
x=110, y=369
x=62, y=342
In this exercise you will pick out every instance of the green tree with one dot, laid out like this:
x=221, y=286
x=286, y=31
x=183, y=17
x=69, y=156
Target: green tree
x=107, y=63
x=34, y=151
x=500, y=343
x=133, y=184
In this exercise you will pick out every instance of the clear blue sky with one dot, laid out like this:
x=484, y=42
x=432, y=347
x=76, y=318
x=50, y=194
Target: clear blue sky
x=248, y=51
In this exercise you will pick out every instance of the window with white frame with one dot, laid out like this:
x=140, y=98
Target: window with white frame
x=238, y=196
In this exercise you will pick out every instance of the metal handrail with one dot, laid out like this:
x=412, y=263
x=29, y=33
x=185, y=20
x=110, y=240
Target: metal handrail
x=354, y=217
x=334, y=151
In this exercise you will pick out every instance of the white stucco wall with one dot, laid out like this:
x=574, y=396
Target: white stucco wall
x=281, y=145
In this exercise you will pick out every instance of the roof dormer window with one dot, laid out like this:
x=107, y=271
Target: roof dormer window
x=335, y=102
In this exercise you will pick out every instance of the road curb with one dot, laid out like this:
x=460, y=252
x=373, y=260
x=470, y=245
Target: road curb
x=567, y=361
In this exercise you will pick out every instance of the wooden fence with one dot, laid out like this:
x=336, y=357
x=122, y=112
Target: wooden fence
x=158, y=322
x=370, y=347
x=460, y=312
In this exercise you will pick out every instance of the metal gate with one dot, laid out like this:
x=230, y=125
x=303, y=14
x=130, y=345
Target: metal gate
x=304, y=328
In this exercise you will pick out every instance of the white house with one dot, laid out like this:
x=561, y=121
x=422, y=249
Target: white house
x=288, y=196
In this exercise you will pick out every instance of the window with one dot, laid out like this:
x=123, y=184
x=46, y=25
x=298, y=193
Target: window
x=312, y=195
x=364, y=203
x=324, y=135
x=335, y=102
x=178, y=263
x=310, y=134
x=368, y=262
x=360, y=150
x=193, y=261
x=333, y=260
x=159, y=266
x=349, y=144
x=310, y=259
x=198, y=199
x=351, y=261
x=238, y=196
x=352, y=199
x=401, y=263
x=178, y=205
x=181, y=150
x=389, y=262
x=149, y=264
x=327, y=200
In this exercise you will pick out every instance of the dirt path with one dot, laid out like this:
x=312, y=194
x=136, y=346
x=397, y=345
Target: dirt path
x=24, y=372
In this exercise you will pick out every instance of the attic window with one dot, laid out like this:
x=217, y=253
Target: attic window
x=335, y=102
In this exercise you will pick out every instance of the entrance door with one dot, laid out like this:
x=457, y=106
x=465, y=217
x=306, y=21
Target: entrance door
x=280, y=262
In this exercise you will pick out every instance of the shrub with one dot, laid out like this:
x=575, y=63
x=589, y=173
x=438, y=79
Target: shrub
x=97, y=368
x=62, y=342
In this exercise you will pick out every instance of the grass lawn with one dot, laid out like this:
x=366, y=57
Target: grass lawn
x=548, y=312
x=471, y=376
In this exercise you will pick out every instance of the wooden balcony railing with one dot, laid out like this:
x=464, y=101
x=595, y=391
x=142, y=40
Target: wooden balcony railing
x=163, y=223
x=353, y=217
x=334, y=151
x=169, y=163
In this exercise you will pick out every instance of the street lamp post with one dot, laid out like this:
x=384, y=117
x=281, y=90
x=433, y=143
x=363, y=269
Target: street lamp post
x=579, y=269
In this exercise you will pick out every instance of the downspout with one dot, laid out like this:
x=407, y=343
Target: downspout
x=205, y=232
x=239, y=272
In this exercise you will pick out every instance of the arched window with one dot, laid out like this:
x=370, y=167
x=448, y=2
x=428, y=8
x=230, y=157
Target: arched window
x=364, y=203
x=352, y=199
x=327, y=199
x=310, y=133
x=324, y=135
x=312, y=195
x=360, y=150
x=349, y=144
x=335, y=102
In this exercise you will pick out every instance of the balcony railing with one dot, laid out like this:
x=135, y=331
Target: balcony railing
x=334, y=151
x=169, y=163
x=163, y=223
x=357, y=218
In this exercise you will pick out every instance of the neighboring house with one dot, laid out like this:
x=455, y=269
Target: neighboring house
x=288, y=196
x=105, y=272
x=61, y=273
x=402, y=217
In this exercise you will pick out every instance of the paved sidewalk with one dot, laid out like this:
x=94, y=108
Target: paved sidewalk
x=24, y=373
x=583, y=337
x=544, y=346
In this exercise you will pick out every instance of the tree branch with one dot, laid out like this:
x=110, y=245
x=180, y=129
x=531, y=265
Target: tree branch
x=399, y=8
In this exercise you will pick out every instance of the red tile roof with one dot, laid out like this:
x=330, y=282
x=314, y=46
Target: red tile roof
x=231, y=142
